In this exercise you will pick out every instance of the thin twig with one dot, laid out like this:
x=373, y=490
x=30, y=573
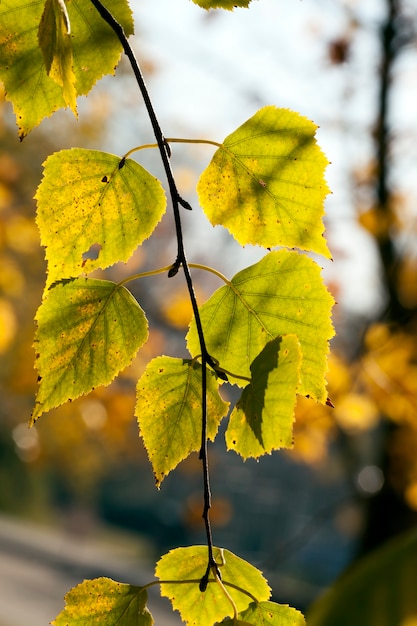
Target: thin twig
x=181, y=260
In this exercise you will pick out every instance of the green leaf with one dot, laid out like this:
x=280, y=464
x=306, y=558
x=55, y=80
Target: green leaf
x=266, y=183
x=88, y=331
x=222, y=4
x=242, y=581
x=379, y=589
x=263, y=417
x=168, y=409
x=55, y=43
x=268, y=614
x=283, y=294
x=87, y=201
x=105, y=602
x=33, y=93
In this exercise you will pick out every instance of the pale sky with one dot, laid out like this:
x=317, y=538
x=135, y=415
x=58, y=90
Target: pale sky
x=215, y=69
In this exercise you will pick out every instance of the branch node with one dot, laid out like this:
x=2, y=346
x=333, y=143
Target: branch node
x=173, y=270
x=184, y=203
x=204, y=580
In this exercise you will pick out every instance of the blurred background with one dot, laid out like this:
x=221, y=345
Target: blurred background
x=77, y=495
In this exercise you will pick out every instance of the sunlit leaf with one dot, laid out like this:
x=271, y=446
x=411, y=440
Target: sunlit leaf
x=281, y=294
x=55, y=43
x=243, y=582
x=168, y=409
x=222, y=4
x=268, y=614
x=262, y=419
x=33, y=93
x=105, y=602
x=93, y=212
x=379, y=589
x=266, y=183
x=88, y=331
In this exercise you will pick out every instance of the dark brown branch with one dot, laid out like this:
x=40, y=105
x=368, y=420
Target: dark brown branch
x=181, y=260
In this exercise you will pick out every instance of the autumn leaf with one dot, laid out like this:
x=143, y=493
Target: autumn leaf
x=262, y=419
x=105, y=602
x=55, y=43
x=88, y=331
x=168, y=409
x=267, y=614
x=32, y=92
x=266, y=183
x=203, y=608
x=94, y=209
x=222, y=4
x=283, y=294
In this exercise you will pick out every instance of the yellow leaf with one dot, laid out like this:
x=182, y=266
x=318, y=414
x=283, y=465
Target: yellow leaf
x=266, y=184
x=55, y=42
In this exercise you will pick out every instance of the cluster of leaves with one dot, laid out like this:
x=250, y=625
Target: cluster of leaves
x=243, y=585
x=266, y=330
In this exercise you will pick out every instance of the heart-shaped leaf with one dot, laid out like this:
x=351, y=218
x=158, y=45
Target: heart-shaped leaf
x=94, y=209
x=266, y=183
x=88, y=331
x=168, y=409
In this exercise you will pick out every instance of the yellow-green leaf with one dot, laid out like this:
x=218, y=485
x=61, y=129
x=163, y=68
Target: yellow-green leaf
x=262, y=419
x=266, y=183
x=283, y=294
x=222, y=4
x=32, y=92
x=106, y=602
x=55, y=43
x=94, y=209
x=268, y=614
x=168, y=409
x=198, y=608
x=88, y=331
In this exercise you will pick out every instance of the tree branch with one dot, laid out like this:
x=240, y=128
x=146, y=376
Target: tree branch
x=180, y=261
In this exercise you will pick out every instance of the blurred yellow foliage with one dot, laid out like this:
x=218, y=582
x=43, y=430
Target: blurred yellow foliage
x=316, y=424
x=389, y=371
x=355, y=412
x=407, y=283
x=7, y=324
x=314, y=428
x=12, y=280
x=376, y=221
x=22, y=234
x=177, y=309
x=83, y=439
x=381, y=383
x=5, y=195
